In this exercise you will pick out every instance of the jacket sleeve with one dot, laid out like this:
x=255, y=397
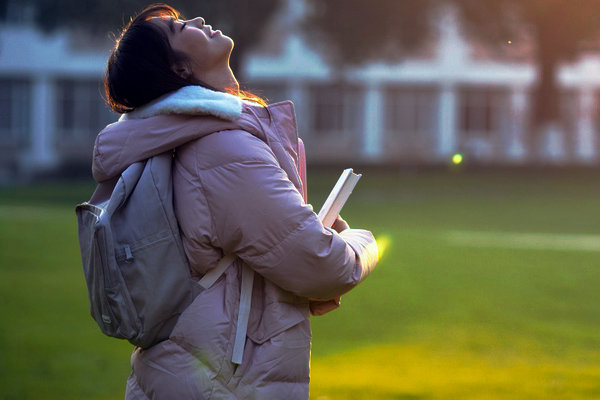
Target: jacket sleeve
x=260, y=217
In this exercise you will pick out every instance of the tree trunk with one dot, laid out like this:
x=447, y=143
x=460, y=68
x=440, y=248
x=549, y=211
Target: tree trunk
x=546, y=94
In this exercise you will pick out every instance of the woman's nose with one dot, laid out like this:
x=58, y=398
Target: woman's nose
x=199, y=21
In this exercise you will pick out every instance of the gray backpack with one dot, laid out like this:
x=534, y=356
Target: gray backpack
x=136, y=271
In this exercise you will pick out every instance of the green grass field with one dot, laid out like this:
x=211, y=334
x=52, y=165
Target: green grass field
x=489, y=288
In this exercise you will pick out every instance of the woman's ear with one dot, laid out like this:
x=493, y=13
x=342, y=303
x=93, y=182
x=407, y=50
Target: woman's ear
x=183, y=70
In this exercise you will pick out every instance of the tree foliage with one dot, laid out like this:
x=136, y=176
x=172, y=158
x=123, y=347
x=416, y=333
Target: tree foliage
x=359, y=31
x=558, y=29
x=241, y=20
x=356, y=31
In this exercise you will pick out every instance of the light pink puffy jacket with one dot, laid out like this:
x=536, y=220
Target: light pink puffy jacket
x=238, y=189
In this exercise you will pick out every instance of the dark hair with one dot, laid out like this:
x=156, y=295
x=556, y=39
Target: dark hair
x=140, y=66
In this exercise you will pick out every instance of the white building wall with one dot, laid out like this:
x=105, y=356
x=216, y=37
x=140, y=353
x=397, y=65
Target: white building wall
x=516, y=151
x=373, y=122
x=586, y=148
x=447, y=129
x=41, y=153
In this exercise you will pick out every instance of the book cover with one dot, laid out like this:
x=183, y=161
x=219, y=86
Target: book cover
x=338, y=197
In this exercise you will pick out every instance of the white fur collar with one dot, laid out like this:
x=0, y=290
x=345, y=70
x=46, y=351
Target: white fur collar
x=194, y=100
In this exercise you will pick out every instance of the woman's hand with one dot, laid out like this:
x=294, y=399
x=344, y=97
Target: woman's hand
x=320, y=307
x=340, y=225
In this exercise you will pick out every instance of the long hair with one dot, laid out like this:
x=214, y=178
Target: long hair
x=140, y=65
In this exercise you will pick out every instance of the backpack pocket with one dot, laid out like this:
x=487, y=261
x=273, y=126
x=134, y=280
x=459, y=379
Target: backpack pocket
x=110, y=305
x=162, y=288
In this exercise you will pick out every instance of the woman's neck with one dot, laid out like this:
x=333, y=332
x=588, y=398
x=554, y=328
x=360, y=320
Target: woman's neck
x=222, y=80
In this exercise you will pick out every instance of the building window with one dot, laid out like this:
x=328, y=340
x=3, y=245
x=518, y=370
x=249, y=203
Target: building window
x=569, y=109
x=481, y=109
x=335, y=109
x=15, y=111
x=81, y=110
x=410, y=110
x=484, y=122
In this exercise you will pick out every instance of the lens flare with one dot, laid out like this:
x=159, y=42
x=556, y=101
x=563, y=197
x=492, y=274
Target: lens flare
x=457, y=159
x=383, y=242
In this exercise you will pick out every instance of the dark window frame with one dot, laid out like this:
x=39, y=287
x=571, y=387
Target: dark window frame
x=16, y=101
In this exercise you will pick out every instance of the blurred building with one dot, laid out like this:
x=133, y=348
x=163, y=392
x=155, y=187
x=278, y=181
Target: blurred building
x=419, y=111
x=50, y=101
x=457, y=99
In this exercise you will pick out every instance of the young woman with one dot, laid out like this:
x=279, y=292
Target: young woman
x=239, y=188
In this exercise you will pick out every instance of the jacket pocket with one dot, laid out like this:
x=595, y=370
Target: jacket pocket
x=278, y=350
x=272, y=364
x=276, y=318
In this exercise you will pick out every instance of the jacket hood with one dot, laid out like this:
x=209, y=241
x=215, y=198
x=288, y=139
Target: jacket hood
x=187, y=114
x=191, y=100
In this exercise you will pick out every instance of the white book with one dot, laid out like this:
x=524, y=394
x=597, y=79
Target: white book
x=338, y=196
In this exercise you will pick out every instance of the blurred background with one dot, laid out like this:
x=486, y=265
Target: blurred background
x=395, y=82
x=476, y=124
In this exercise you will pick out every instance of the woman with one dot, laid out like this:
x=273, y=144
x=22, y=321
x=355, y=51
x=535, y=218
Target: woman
x=239, y=188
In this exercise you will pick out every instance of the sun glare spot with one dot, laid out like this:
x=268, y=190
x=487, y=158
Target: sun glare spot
x=383, y=242
x=457, y=159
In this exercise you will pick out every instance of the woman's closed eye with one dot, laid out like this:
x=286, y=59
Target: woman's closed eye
x=183, y=26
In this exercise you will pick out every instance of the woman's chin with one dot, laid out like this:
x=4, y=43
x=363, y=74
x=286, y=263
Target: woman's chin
x=231, y=45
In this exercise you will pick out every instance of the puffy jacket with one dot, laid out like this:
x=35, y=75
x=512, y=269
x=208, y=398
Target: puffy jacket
x=238, y=189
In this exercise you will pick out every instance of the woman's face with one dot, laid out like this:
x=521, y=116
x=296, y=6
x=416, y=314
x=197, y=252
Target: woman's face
x=207, y=49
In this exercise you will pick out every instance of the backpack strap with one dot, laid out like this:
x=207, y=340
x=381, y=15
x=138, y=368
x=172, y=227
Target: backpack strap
x=211, y=276
x=302, y=168
x=245, y=301
x=243, y=314
x=104, y=190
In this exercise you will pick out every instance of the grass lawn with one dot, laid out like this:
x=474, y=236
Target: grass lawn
x=437, y=319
